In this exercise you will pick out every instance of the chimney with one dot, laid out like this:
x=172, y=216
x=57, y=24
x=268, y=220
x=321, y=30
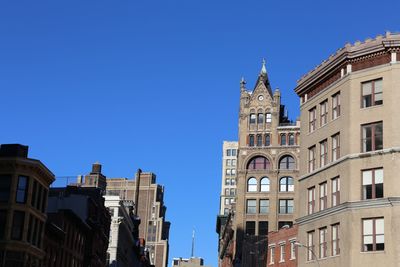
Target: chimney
x=14, y=150
x=96, y=168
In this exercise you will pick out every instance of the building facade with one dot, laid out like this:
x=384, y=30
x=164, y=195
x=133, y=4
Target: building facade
x=191, y=262
x=24, y=185
x=349, y=203
x=149, y=200
x=282, y=247
x=228, y=184
x=267, y=170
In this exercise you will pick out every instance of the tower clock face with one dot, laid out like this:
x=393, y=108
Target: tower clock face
x=261, y=97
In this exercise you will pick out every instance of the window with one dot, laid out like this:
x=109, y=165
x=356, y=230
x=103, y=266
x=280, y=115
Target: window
x=282, y=253
x=323, y=196
x=267, y=139
x=228, y=162
x=3, y=219
x=323, y=153
x=373, y=234
x=264, y=206
x=335, y=147
x=323, y=113
x=228, y=152
x=284, y=223
x=227, y=181
x=234, y=152
x=335, y=239
x=260, y=118
x=264, y=184
x=259, y=140
x=234, y=162
x=262, y=228
x=286, y=206
x=22, y=189
x=291, y=140
x=232, y=192
x=226, y=201
x=250, y=228
x=233, y=172
x=5, y=187
x=287, y=163
x=18, y=225
x=312, y=119
x=268, y=117
x=258, y=163
x=292, y=249
x=311, y=200
x=322, y=242
x=252, y=118
x=251, y=140
x=228, y=172
x=251, y=206
x=286, y=184
x=226, y=211
x=335, y=191
x=311, y=159
x=372, y=181
x=310, y=245
x=283, y=139
x=272, y=255
x=252, y=185
x=227, y=192
x=372, y=93
x=233, y=181
x=372, y=136
x=336, y=105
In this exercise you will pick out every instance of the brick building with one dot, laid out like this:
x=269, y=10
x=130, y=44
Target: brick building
x=282, y=247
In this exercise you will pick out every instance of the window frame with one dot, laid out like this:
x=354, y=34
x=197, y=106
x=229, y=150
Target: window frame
x=312, y=119
x=335, y=239
x=373, y=183
x=286, y=207
x=311, y=158
x=336, y=112
x=323, y=196
x=323, y=106
x=252, y=185
x=335, y=186
x=287, y=161
x=372, y=94
x=323, y=245
x=251, y=209
x=335, y=147
x=267, y=185
x=287, y=185
x=266, y=207
x=311, y=200
x=252, y=118
x=373, y=234
x=323, y=153
x=374, y=137
x=310, y=245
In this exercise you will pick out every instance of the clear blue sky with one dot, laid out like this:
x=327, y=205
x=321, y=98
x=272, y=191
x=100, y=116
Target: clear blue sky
x=155, y=85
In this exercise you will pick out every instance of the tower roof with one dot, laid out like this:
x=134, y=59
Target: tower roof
x=263, y=78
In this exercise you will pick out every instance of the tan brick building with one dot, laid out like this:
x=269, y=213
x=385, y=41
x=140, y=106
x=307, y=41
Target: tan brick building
x=151, y=210
x=267, y=170
x=349, y=204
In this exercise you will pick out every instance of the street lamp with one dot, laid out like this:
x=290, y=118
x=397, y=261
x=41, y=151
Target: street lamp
x=298, y=244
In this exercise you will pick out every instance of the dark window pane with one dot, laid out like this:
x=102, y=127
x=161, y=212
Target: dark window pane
x=5, y=187
x=379, y=190
x=22, y=189
x=263, y=228
x=250, y=228
x=3, y=219
x=368, y=191
x=380, y=246
x=18, y=225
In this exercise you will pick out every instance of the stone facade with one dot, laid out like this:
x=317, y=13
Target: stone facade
x=349, y=205
x=228, y=184
x=267, y=170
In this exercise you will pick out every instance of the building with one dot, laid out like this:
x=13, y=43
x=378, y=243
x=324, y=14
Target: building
x=192, y=262
x=282, y=247
x=267, y=170
x=149, y=200
x=226, y=242
x=228, y=184
x=24, y=185
x=122, y=240
x=349, y=205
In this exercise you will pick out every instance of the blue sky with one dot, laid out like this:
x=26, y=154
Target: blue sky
x=155, y=85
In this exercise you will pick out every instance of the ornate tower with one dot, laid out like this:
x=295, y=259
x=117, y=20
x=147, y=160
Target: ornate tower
x=267, y=169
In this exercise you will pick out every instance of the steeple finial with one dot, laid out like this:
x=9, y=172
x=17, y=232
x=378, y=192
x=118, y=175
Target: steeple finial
x=242, y=84
x=263, y=68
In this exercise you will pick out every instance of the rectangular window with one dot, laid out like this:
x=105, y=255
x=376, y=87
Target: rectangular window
x=312, y=119
x=251, y=140
x=264, y=206
x=335, y=191
x=373, y=234
x=271, y=255
x=226, y=201
x=228, y=162
x=18, y=225
x=335, y=239
x=371, y=93
x=259, y=140
x=234, y=152
x=228, y=171
x=323, y=148
x=263, y=228
x=267, y=139
x=311, y=200
x=233, y=181
x=232, y=192
x=5, y=187
x=322, y=242
x=310, y=245
x=252, y=118
x=311, y=159
x=268, y=117
x=233, y=172
x=228, y=152
x=372, y=181
x=227, y=181
x=335, y=147
x=323, y=113
x=250, y=228
x=251, y=206
x=3, y=219
x=293, y=249
x=22, y=189
x=282, y=253
x=234, y=162
x=260, y=118
x=323, y=196
x=336, y=105
x=227, y=192
x=372, y=136
x=286, y=206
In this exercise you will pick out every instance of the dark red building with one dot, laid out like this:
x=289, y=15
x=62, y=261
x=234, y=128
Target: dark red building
x=282, y=248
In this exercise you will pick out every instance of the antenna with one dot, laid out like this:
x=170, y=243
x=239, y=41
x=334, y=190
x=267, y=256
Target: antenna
x=192, y=244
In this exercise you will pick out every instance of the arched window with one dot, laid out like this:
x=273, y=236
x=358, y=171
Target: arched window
x=283, y=139
x=252, y=185
x=287, y=163
x=267, y=140
x=251, y=140
x=259, y=140
x=253, y=118
x=264, y=184
x=286, y=184
x=291, y=139
x=260, y=118
x=258, y=163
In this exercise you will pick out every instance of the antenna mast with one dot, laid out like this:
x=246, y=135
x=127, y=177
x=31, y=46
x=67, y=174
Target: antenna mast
x=192, y=244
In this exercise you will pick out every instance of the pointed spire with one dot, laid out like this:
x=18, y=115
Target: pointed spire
x=263, y=68
x=242, y=84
